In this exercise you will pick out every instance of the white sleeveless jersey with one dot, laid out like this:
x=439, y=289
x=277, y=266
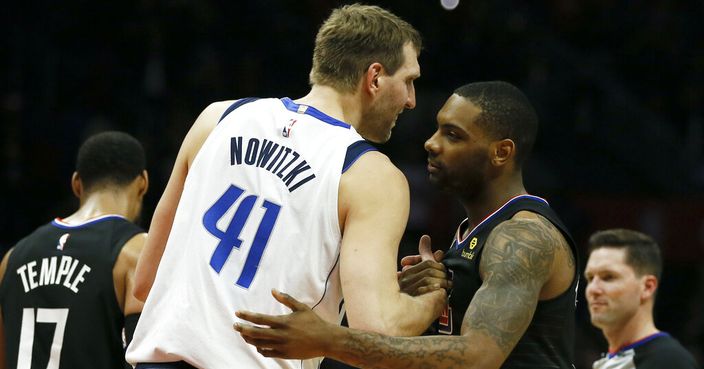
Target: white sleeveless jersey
x=258, y=211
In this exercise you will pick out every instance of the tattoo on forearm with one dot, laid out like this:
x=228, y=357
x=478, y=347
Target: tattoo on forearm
x=371, y=350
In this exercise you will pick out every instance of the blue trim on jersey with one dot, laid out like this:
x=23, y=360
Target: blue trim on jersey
x=355, y=151
x=457, y=242
x=236, y=105
x=313, y=112
x=55, y=223
x=637, y=343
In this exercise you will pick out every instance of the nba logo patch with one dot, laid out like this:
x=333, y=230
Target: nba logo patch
x=62, y=241
x=287, y=130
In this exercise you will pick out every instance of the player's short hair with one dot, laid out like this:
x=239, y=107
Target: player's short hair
x=354, y=37
x=506, y=113
x=109, y=159
x=642, y=252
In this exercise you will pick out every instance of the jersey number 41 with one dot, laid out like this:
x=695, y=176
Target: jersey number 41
x=229, y=238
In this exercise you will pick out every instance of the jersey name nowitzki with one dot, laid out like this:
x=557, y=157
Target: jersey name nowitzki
x=275, y=158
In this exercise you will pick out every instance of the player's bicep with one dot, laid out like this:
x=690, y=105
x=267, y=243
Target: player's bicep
x=516, y=263
x=375, y=194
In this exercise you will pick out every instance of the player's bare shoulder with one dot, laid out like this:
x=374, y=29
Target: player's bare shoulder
x=537, y=247
x=374, y=173
x=530, y=240
x=372, y=183
x=553, y=238
x=201, y=129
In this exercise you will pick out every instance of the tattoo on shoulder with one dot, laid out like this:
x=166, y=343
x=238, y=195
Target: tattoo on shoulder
x=516, y=262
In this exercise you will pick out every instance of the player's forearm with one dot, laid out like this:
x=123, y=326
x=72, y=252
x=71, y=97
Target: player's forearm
x=417, y=313
x=365, y=349
x=396, y=314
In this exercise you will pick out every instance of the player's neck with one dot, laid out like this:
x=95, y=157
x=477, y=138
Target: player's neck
x=101, y=203
x=635, y=329
x=492, y=198
x=344, y=107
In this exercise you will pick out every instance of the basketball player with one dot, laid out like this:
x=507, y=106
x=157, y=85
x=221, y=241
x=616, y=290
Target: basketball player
x=512, y=262
x=623, y=273
x=280, y=193
x=66, y=289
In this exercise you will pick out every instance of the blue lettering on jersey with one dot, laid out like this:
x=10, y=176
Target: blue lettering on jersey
x=229, y=239
x=259, y=153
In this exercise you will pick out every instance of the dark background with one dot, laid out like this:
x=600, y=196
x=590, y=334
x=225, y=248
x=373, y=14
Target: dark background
x=617, y=86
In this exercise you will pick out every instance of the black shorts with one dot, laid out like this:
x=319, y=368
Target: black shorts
x=176, y=365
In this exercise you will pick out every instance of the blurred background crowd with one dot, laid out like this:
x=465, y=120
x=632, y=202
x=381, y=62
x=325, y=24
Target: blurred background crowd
x=618, y=86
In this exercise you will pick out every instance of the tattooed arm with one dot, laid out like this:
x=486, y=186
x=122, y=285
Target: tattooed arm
x=516, y=263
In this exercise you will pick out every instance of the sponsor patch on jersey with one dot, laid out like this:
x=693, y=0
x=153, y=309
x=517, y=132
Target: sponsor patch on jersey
x=468, y=255
x=62, y=241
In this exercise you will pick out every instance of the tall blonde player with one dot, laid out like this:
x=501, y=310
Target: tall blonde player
x=287, y=194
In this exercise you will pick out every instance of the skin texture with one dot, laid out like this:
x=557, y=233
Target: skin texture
x=525, y=260
x=424, y=272
x=396, y=92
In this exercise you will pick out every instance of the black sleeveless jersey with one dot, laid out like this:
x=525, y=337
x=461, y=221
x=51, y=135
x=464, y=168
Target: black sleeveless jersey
x=58, y=296
x=549, y=340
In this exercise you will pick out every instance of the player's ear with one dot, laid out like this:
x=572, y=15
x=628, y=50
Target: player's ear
x=76, y=185
x=371, y=78
x=502, y=151
x=143, y=183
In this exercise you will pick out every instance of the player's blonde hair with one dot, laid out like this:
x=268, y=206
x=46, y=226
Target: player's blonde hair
x=354, y=37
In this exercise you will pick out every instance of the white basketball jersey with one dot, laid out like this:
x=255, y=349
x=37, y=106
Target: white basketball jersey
x=258, y=211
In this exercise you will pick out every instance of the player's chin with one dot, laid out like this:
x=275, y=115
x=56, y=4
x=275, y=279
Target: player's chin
x=379, y=138
x=436, y=180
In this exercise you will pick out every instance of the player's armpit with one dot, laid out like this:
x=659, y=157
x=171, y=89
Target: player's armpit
x=163, y=217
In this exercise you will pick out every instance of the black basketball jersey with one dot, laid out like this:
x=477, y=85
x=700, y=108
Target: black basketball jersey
x=58, y=296
x=656, y=351
x=549, y=340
